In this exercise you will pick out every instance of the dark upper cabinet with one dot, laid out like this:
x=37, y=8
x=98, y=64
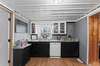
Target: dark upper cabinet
x=70, y=49
x=40, y=49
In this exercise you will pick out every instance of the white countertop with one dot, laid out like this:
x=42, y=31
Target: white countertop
x=71, y=40
x=22, y=46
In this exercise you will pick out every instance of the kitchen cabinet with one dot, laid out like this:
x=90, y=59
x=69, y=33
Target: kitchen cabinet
x=55, y=49
x=21, y=56
x=59, y=28
x=40, y=49
x=70, y=49
x=32, y=28
x=62, y=27
x=55, y=25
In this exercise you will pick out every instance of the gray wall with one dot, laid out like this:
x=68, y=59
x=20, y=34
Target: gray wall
x=21, y=27
x=71, y=29
x=3, y=38
x=81, y=33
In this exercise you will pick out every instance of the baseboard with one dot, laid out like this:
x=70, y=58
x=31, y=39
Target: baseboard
x=55, y=57
x=79, y=60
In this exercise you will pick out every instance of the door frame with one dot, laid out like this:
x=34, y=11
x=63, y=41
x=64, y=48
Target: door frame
x=11, y=28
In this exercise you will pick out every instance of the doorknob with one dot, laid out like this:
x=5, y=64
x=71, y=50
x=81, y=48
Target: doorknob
x=99, y=43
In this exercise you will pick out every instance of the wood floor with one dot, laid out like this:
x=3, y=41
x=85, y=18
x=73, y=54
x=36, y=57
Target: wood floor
x=54, y=62
x=96, y=64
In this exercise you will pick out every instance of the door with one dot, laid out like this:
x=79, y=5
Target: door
x=94, y=38
x=3, y=38
x=99, y=36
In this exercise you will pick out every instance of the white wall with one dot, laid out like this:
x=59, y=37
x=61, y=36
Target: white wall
x=3, y=38
x=81, y=33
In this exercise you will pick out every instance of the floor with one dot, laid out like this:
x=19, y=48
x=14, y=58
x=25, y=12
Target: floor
x=96, y=64
x=54, y=62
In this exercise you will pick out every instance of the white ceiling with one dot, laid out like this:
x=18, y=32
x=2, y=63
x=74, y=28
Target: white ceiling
x=52, y=10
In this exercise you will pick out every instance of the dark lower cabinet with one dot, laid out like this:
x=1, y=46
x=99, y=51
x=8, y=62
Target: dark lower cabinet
x=21, y=56
x=40, y=49
x=69, y=49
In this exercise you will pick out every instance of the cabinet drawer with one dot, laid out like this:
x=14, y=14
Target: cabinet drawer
x=70, y=44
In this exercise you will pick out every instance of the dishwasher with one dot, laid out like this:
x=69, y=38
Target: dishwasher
x=55, y=50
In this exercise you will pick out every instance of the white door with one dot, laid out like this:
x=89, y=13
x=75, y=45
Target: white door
x=55, y=50
x=3, y=38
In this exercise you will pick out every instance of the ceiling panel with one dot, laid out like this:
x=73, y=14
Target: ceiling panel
x=55, y=2
x=55, y=9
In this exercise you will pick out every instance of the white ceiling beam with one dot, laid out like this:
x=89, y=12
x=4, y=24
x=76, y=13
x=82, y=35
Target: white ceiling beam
x=60, y=15
x=20, y=3
x=43, y=5
x=60, y=9
x=56, y=20
x=68, y=13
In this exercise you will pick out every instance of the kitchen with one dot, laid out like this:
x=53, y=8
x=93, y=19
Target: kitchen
x=50, y=37
x=46, y=39
x=51, y=32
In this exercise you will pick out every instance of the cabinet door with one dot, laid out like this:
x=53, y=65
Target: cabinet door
x=33, y=28
x=70, y=49
x=19, y=57
x=40, y=49
x=62, y=27
x=55, y=28
x=43, y=50
x=59, y=28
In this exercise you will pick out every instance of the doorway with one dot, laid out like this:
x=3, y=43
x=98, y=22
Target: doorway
x=94, y=38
